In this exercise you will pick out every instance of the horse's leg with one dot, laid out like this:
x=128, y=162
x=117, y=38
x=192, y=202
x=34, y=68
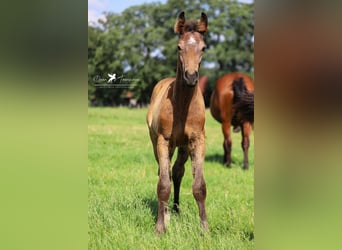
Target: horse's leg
x=177, y=175
x=246, y=131
x=227, y=143
x=199, y=190
x=164, y=183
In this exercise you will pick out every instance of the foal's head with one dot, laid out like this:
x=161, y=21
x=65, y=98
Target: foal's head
x=191, y=46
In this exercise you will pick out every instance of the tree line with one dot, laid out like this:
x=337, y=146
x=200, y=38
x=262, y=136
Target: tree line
x=139, y=46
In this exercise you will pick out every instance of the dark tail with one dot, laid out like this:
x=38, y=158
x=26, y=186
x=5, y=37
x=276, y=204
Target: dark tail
x=243, y=103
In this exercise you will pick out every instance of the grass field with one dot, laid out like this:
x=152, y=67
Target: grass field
x=122, y=179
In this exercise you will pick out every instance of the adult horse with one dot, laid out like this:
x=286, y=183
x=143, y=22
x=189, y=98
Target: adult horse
x=203, y=82
x=232, y=103
x=176, y=118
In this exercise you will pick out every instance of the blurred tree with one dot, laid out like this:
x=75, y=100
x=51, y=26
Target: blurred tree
x=140, y=44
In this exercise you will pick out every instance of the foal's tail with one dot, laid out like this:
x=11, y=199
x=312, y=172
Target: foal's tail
x=243, y=102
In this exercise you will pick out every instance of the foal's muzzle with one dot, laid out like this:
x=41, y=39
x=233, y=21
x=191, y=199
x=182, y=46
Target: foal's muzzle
x=191, y=78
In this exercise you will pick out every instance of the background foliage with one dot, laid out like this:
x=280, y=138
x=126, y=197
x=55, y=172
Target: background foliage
x=140, y=43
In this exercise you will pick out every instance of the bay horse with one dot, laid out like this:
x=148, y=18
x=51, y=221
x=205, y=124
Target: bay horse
x=232, y=103
x=203, y=82
x=176, y=118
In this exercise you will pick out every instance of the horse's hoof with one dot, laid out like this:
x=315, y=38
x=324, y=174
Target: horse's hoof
x=227, y=164
x=245, y=166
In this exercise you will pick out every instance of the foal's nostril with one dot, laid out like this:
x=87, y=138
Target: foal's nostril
x=191, y=77
x=195, y=74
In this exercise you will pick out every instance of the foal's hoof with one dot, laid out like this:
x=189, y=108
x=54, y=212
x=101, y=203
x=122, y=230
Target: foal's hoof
x=176, y=209
x=160, y=229
x=167, y=217
x=205, y=226
x=245, y=166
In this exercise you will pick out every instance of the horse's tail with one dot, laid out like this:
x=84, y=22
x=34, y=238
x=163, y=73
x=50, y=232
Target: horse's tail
x=243, y=102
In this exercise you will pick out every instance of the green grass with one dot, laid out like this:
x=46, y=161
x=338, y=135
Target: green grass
x=122, y=179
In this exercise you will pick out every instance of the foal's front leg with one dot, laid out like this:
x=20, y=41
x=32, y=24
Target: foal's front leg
x=199, y=190
x=164, y=183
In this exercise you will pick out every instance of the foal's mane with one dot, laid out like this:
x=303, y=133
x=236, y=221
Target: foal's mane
x=191, y=26
x=182, y=26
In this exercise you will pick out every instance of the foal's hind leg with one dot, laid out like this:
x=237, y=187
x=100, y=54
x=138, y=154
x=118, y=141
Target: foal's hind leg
x=227, y=143
x=177, y=175
x=246, y=131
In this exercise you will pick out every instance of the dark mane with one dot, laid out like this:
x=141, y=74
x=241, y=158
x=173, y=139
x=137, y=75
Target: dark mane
x=190, y=26
x=182, y=26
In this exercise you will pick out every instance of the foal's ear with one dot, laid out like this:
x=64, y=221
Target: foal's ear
x=202, y=25
x=179, y=25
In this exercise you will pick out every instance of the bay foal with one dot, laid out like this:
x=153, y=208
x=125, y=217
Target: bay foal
x=176, y=118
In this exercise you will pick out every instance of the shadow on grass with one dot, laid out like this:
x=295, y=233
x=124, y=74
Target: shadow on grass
x=152, y=204
x=218, y=158
x=214, y=158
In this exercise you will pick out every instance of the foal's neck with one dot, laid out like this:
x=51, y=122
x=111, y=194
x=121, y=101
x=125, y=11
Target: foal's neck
x=182, y=94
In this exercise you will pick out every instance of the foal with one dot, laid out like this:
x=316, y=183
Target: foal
x=176, y=118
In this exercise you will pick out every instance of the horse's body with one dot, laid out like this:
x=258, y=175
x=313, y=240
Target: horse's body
x=203, y=82
x=232, y=103
x=176, y=118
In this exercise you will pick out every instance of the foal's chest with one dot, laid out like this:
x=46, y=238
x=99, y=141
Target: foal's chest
x=180, y=129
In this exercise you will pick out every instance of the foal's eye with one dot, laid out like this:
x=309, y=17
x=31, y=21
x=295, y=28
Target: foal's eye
x=179, y=48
